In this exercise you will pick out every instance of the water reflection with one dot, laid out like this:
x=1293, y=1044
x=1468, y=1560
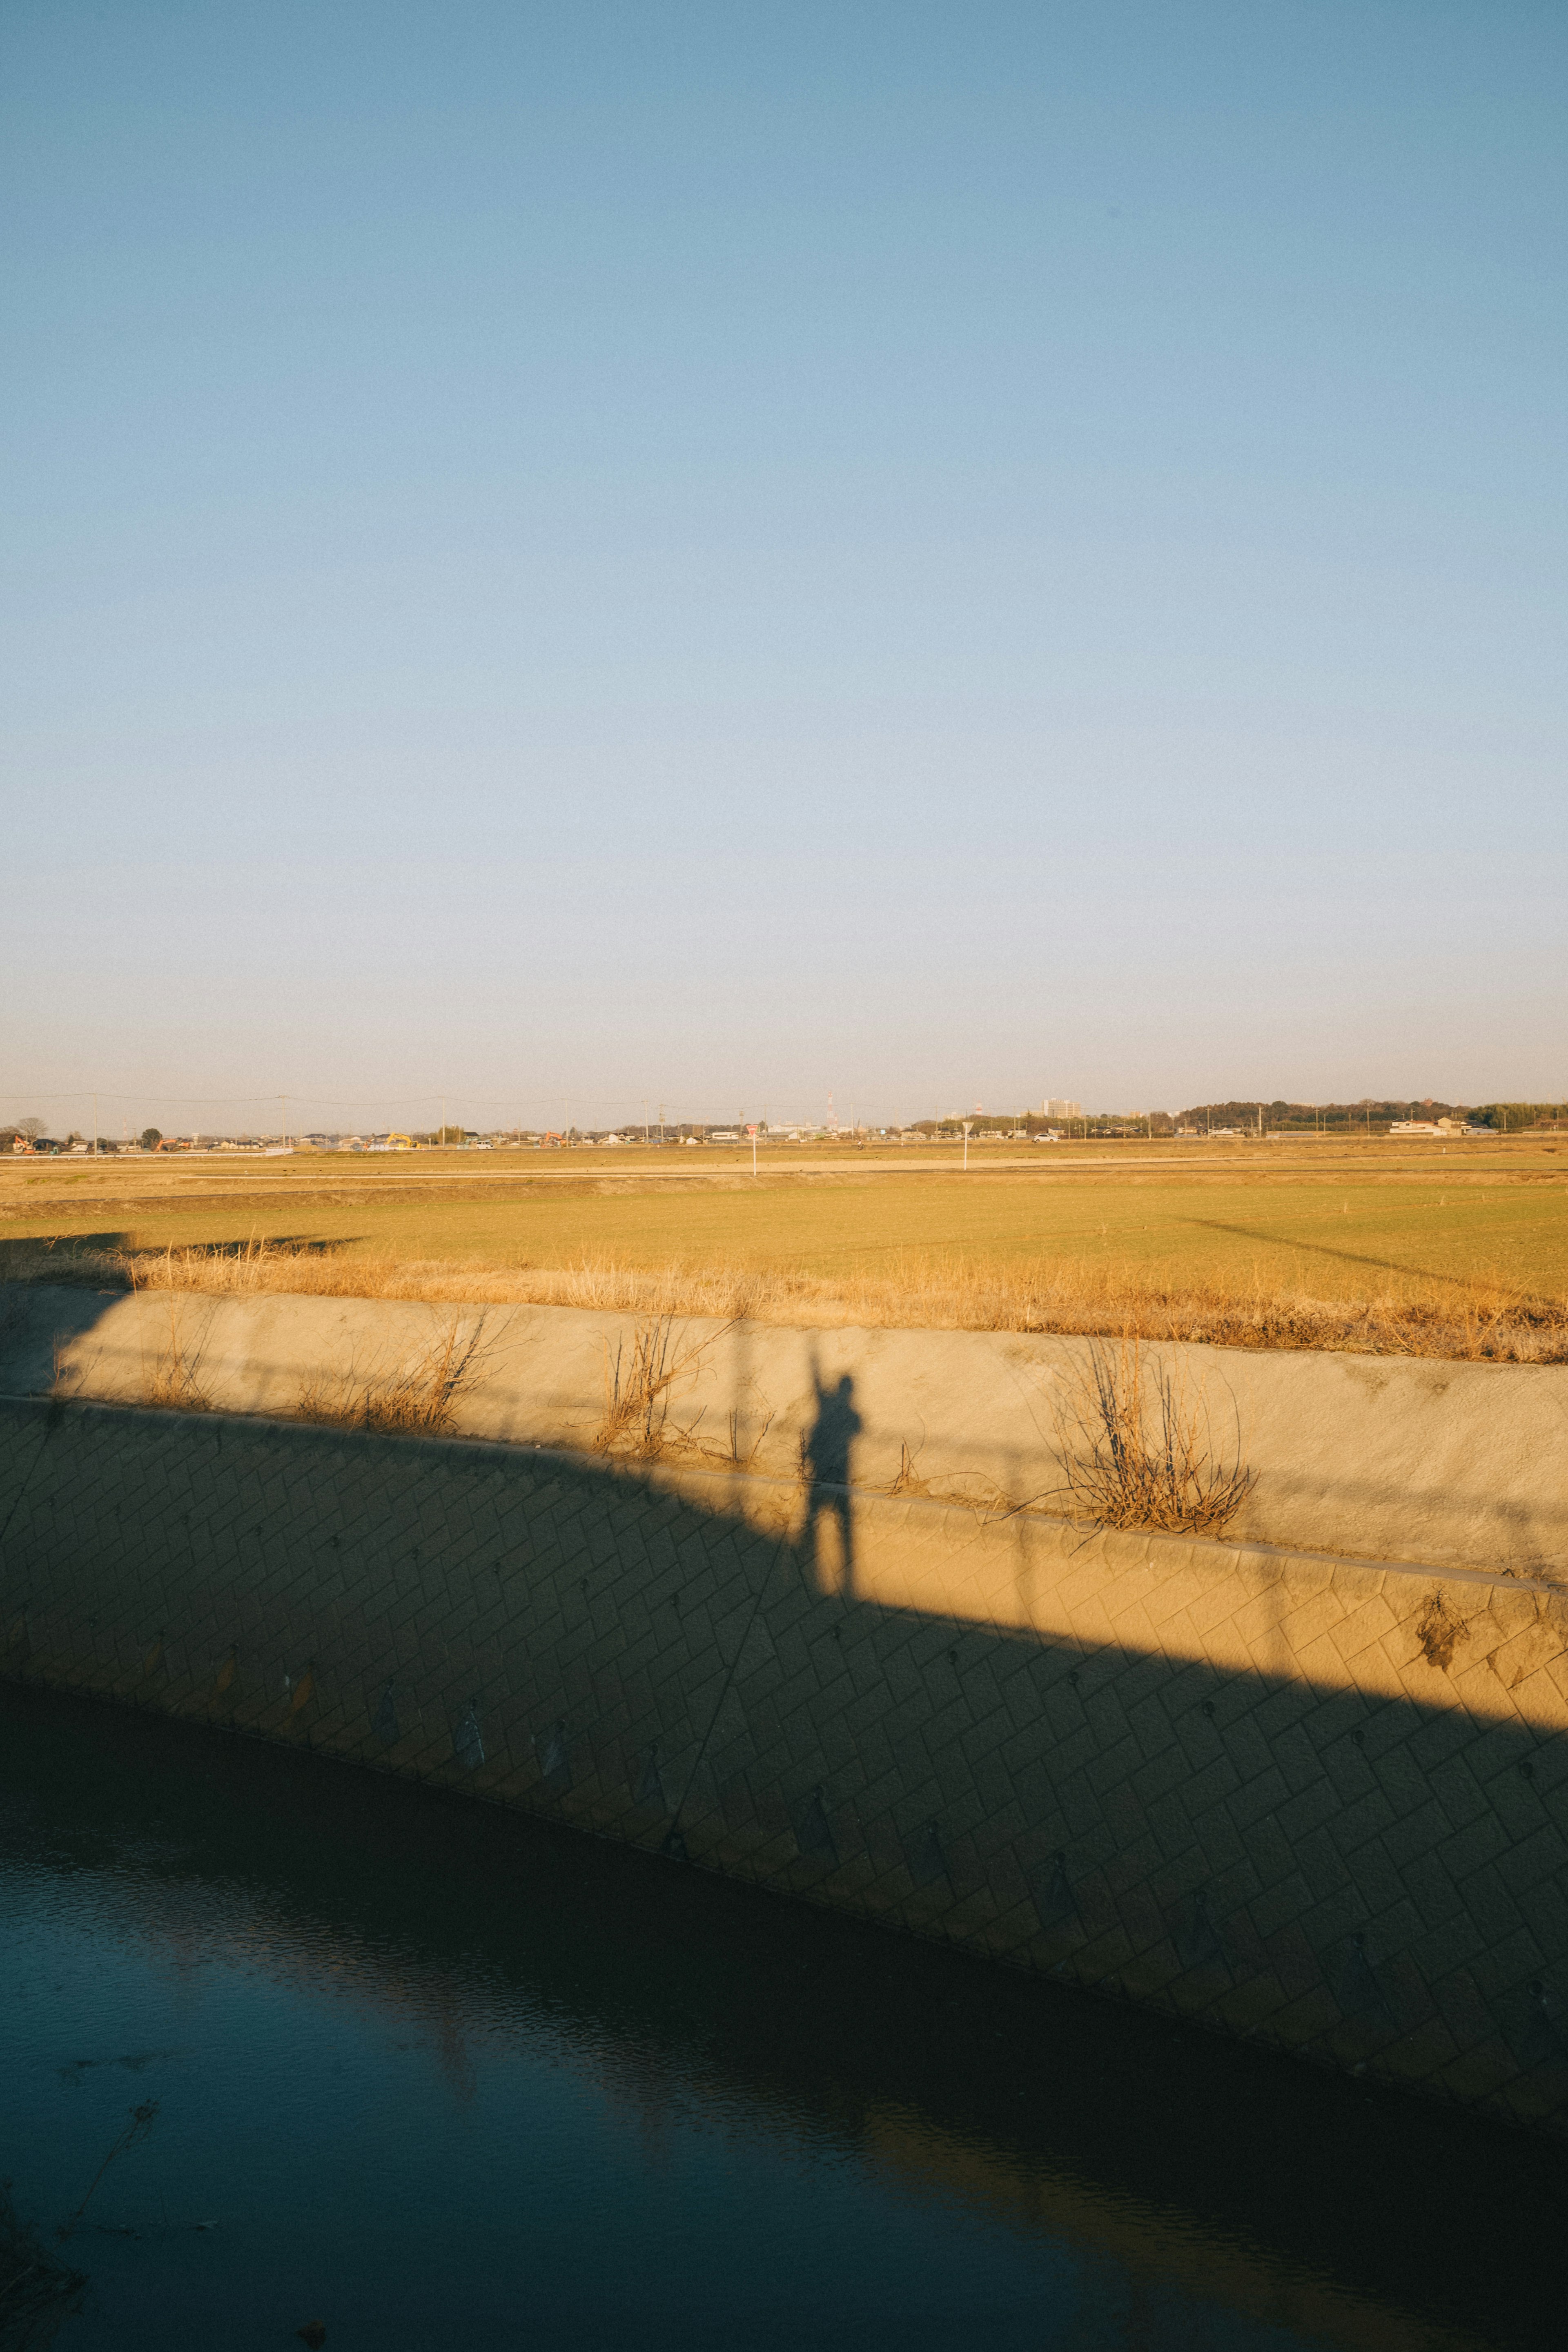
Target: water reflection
x=442, y=2076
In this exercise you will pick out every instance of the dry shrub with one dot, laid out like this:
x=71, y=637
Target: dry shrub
x=1138, y=1448
x=642, y=1380
x=1087, y=1298
x=416, y=1399
x=172, y=1381
x=640, y=1383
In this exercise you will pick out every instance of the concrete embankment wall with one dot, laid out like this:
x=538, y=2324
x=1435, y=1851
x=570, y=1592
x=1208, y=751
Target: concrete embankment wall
x=1440, y=1464
x=1319, y=1803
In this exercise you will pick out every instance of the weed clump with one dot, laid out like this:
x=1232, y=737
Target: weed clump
x=1138, y=1448
x=641, y=1384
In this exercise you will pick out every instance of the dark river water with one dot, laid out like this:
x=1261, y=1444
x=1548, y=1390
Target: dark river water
x=436, y=2075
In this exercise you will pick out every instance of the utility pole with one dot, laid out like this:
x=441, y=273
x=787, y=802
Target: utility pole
x=283, y=1113
x=443, y=1137
x=95, y=1127
x=966, y=1127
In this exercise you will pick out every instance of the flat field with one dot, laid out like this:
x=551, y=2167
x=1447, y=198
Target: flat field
x=1461, y=1237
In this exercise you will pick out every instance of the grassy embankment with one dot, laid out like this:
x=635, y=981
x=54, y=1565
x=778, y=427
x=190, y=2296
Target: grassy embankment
x=1460, y=1252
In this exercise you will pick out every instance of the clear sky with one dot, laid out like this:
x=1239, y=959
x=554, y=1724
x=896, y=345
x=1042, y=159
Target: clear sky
x=718, y=552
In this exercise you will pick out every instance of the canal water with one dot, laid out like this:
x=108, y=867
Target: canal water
x=436, y=2075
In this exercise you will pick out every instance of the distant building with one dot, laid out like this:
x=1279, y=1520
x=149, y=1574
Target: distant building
x=1053, y=1109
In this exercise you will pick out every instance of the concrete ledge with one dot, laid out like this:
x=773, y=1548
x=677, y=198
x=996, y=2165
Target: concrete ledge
x=1434, y=1464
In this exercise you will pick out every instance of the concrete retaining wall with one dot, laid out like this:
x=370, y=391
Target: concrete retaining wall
x=1319, y=1803
x=1383, y=1458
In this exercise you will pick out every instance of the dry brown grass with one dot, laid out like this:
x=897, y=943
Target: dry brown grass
x=414, y=1399
x=1139, y=1450
x=1085, y=1299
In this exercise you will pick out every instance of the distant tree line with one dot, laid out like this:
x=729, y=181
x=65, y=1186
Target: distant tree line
x=1370, y=1112
x=1509, y=1114
x=1312, y=1116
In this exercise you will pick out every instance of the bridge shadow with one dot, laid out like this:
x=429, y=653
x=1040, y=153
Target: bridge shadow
x=58, y=1257
x=646, y=1655
x=39, y=1317
x=20, y=1254
x=53, y=1295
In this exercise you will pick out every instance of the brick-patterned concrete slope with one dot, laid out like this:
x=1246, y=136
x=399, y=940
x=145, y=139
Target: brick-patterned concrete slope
x=1319, y=1804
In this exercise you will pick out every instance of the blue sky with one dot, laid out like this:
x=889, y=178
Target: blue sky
x=722, y=552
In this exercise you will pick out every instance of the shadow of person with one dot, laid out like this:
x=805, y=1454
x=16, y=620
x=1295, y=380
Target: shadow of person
x=826, y=1452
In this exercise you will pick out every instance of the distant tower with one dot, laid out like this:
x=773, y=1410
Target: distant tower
x=832, y=1118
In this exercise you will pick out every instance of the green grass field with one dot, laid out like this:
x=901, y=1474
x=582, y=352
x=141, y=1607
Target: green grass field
x=1324, y=1221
